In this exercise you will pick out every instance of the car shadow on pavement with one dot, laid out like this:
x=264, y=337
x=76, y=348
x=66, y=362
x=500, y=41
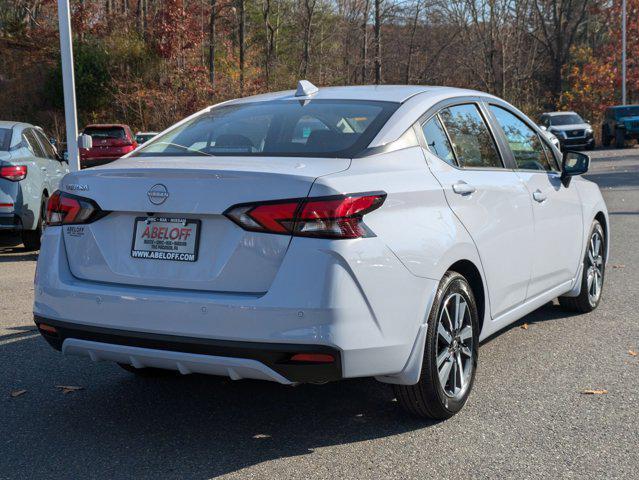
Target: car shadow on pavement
x=16, y=254
x=550, y=312
x=123, y=426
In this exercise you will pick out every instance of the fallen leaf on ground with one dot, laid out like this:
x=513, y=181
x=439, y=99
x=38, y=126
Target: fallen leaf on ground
x=595, y=392
x=618, y=266
x=525, y=326
x=17, y=393
x=68, y=388
x=632, y=353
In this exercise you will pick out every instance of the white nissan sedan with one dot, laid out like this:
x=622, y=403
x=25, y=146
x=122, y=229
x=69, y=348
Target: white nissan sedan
x=322, y=234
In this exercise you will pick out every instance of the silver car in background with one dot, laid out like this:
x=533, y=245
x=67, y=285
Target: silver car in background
x=30, y=170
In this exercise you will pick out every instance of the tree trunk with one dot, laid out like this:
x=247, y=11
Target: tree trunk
x=411, y=44
x=306, y=55
x=269, y=49
x=378, y=42
x=212, y=43
x=365, y=39
x=241, y=33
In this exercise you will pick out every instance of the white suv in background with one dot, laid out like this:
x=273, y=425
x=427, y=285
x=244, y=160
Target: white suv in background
x=323, y=234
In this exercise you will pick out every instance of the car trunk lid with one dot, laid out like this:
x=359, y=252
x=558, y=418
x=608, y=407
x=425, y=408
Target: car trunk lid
x=196, y=191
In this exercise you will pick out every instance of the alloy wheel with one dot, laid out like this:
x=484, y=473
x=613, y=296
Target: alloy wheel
x=454, y=346
x=594, y=272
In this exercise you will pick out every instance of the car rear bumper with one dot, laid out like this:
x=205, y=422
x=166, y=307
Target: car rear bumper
x=262, y=361
x=354, y=300
x=10, y=222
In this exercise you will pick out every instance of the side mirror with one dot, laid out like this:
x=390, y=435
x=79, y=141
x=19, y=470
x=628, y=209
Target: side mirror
x=85, y=141
x=573, y=163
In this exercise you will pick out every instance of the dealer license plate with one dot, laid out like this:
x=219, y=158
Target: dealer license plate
x=160, y=238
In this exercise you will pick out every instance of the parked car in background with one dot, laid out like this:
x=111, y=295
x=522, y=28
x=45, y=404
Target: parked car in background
x=571, y=130
x=110, y=142
x=143, y=137
x=30, y=171
x=621, y=123
x=323, y=234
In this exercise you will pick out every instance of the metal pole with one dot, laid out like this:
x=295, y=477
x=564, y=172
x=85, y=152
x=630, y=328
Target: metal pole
x=68, y=82
x=623, y=52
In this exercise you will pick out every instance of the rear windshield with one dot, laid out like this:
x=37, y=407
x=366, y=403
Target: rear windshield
x=627, y=112
x=324, y=128
x=566, y=119
x=5, y=139
x=105, y=132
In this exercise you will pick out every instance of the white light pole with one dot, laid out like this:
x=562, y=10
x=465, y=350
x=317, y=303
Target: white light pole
x=68, y=82
x=623, y=52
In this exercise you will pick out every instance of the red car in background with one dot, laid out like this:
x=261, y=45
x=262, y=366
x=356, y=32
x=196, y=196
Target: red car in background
x=110, y=142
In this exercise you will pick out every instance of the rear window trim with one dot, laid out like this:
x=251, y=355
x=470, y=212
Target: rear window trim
x=388, y=110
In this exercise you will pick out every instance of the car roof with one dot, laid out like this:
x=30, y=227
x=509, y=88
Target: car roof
x=387, y=93
x=615, y=107
x=554, y=114
x=10, y=124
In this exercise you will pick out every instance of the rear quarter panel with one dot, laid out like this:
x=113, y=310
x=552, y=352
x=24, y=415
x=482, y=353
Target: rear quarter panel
x=415, y=224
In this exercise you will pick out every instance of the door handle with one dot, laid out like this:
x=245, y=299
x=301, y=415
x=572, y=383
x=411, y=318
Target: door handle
x=463, y=188
x=539, y=196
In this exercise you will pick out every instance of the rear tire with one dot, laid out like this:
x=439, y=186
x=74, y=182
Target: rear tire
x=592, y=275
x=450, y=353
x=31, y=238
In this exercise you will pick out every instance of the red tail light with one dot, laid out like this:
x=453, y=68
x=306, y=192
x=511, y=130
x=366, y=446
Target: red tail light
x=324, y=217
x=66, y=209
x=14, y=173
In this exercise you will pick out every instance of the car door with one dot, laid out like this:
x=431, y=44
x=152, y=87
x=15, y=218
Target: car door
x=488, y=198
x=40, y=159
x=556, y=209
x=56, y=167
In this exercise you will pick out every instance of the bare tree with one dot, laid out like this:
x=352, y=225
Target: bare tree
x=378, y=42
x=241, y=11
x=411, y=42
x=309, y=12
x=366, y=13
x=558, y=22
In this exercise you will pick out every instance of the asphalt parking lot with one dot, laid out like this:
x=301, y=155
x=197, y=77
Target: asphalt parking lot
x=526, y=418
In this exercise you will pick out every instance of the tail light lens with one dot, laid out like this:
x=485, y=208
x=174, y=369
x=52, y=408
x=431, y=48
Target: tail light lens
x=66, y=209
x=323, y=217
x=14, y=173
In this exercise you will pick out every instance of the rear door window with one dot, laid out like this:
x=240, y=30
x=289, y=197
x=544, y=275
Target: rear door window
x=472, y=142
x=525, y=144
x=46, y=145
x=437, y=141
x=33, y=143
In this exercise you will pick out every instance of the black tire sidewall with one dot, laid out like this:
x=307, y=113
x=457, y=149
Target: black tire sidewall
x=451, y=283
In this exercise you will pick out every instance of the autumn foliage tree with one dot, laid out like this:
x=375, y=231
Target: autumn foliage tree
x=595, y=78
x=149, y=63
